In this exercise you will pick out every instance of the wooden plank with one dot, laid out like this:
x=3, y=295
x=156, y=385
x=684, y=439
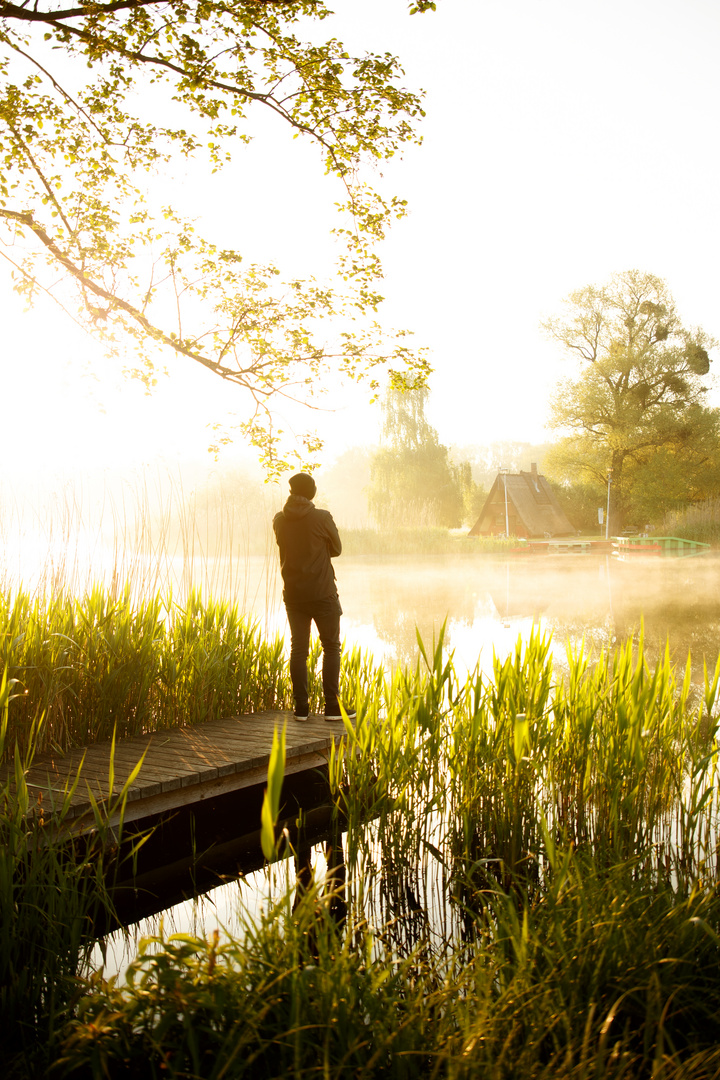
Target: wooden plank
x=122, y=772
x=180, y=766
x=52, y=796
x=230, y=755
x=249, y=746
x=91, y=770
x=241, y=751
x=171, y=800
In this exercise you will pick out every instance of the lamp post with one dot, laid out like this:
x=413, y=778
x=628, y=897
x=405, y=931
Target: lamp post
x=507, y=524
x=607, y=515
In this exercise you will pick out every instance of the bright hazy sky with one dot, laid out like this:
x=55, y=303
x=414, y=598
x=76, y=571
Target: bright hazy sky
x=564, y=140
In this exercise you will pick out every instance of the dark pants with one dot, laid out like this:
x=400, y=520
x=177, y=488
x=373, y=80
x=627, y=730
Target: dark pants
x=326, y=616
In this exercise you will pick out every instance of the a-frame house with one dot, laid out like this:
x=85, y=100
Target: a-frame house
x=524, y=505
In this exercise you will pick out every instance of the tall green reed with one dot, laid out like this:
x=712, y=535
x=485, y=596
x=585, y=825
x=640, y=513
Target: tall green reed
x=610, y=758
x=601, y=980
x=100, y=663
x=55, y=888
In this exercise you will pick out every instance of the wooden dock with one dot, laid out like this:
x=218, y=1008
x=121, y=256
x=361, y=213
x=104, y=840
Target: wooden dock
x=673, y=546
x=181, y=766
x=616, y=545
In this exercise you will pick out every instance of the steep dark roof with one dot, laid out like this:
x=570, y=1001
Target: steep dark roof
x=533, y=501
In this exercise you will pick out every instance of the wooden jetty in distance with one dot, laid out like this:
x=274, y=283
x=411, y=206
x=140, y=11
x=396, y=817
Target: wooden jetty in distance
x=181, y=766
x=668, y=546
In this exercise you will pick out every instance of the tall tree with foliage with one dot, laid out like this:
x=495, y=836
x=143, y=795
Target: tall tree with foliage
x=635, y=413
x=412, y=480
x=86, y=96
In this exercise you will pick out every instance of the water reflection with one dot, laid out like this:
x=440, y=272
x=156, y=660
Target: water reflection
x=236, y=905
x=489, y=602
x=330, y=888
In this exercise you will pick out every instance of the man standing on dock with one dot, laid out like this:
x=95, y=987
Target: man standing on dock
x=308, y=539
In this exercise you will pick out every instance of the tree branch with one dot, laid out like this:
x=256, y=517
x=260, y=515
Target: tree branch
x=23, y=14
x=63, y=93
x=213, y=84
x=25, y=149
x=27, y=220
x=36, y=284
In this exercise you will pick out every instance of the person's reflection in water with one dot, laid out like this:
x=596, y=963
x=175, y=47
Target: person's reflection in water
x=333, y=891
x=336, y=878
x=303, y=872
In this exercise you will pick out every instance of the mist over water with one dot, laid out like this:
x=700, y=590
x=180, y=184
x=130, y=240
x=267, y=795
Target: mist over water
x=172, y=541
x=484, y=602
x=489, y=602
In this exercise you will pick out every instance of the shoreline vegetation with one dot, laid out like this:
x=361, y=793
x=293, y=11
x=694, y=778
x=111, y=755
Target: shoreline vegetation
x=530, y=878
x=417, y=541
x=700, y=522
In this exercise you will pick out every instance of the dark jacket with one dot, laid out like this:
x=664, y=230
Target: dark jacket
x=308, y=539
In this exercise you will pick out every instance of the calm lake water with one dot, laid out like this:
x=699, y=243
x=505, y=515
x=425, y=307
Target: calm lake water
x=487, y=603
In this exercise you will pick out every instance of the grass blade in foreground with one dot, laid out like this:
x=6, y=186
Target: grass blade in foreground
x=271, y=798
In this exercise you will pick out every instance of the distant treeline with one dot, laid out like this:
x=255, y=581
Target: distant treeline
x=428, y=541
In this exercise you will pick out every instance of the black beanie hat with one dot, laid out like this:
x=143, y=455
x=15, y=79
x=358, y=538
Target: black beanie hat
x=303, y=484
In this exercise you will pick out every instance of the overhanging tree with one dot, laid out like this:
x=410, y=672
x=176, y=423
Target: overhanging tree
x=78, y=224
x=635, y=413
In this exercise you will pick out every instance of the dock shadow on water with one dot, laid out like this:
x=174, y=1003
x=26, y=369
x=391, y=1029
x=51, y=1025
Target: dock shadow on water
x=196, y=865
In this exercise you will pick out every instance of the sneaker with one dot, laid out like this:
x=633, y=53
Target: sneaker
x=350, y=712
x=302, y=717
